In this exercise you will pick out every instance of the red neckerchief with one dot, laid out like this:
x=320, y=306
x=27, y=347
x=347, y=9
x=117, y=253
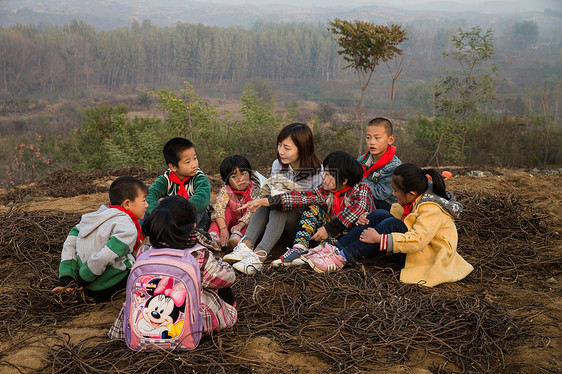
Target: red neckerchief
x=385, y=159
x=408, y=208
x=338, y=200
x=245, y=194
x=140, y=236
x=175, y=179
x=235, y=203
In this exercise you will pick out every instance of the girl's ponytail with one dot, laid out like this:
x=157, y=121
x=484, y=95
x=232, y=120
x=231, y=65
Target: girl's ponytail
x=409, y=177
x=438, y=183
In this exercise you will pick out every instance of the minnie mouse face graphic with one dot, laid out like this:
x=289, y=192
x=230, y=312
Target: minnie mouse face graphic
x=162, y=309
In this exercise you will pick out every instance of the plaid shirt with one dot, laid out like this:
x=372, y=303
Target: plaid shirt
x=215, y=274
x=357, y=200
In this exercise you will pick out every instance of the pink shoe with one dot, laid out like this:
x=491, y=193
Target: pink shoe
x=324, y=262
x=320, y=250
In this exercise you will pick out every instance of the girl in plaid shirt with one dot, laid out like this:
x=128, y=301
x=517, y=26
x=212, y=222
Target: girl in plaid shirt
x=172, y=225
x=330, y=209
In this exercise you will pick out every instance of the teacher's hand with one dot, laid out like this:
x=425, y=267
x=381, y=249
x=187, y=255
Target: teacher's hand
x=253, y=205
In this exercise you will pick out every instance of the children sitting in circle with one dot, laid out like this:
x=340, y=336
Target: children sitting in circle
x=329, y=210
x=228, y=221
x=296, y=168
x=328, y=214
x=419, y=231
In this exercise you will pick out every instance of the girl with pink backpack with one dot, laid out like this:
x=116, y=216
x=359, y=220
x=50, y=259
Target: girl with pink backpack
x=176, y=289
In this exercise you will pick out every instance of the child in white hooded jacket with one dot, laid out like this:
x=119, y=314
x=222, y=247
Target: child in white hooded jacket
x=98, y=252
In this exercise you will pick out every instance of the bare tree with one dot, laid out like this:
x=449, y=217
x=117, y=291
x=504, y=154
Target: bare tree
x=400, y=69
x=364, y=45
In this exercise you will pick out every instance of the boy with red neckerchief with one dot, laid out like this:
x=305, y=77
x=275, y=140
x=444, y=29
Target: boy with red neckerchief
x=380, y=161
x=183, y=178
x=98, y=252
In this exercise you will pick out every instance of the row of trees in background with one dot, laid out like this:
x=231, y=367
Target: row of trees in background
x=76, y=56
x=108, y=138
x=49, y=58
x=459, y=133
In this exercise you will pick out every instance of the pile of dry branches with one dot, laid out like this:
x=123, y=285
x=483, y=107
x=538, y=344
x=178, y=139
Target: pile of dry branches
x=357, y=319
x=68, y=183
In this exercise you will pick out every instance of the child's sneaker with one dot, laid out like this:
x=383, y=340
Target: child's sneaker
x=291, y=257
x=234, y=239
x=320, y=250
x=311, y=251
x=323, y=262
x=238, y=253
x=250, y=264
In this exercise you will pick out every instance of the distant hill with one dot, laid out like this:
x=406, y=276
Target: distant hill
x=105, y=15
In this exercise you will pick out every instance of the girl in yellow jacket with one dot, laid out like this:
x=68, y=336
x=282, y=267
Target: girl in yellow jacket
x=419, y=231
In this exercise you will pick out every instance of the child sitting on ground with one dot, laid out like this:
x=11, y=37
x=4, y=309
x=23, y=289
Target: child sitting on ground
x=228, y=222
x=419, y=231
x=97, y=255
x=172, y=225
x=379, y=161
x=331, y=209
x=183, y=178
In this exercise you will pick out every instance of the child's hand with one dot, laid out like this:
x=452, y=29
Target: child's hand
x=253, y=205
x=320, y=235
x=370, y=235
x=223, y=236
x=362, y=219
x=67, y=289
x=238, y=227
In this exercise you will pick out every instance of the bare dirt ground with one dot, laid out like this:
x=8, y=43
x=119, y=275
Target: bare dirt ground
x=503, y=318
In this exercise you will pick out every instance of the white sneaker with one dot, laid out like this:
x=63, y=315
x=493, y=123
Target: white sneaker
x=249, y=265
x=238, y=253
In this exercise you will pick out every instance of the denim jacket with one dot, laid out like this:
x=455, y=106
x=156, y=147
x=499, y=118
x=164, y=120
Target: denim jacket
x=379, y=180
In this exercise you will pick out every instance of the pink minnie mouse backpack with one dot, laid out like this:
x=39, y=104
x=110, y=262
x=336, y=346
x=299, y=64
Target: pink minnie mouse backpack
x=162, y=307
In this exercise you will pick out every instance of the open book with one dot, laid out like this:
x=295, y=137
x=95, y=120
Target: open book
x=276, y=184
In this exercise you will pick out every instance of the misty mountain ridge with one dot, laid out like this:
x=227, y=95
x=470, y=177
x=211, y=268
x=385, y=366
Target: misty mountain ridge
x=106, y=15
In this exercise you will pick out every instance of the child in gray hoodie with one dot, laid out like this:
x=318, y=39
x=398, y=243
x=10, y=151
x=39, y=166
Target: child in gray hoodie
x=98, y=252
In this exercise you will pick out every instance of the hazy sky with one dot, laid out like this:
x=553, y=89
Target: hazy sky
x=513, y=5
x=539, y=5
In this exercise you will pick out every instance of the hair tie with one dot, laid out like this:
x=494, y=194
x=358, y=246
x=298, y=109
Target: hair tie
x=428, y=177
